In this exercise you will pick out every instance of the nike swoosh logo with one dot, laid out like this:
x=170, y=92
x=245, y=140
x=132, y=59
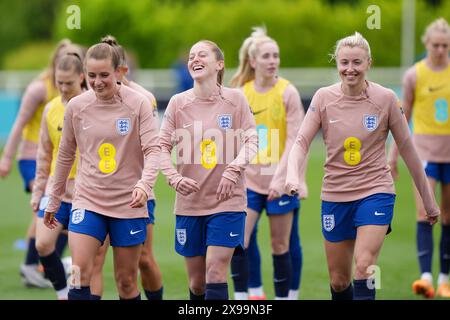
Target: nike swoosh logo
x=134, y=232
x=186, y=125
x=422, y=253
x=233, y=234
x=283, y=203
x=432, y=89
x=260, y=111
x=379, y=213
x=279, y=280
x=334, y=121
x=85, y=128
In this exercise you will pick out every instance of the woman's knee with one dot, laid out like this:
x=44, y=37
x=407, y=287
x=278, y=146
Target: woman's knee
x=44, y=248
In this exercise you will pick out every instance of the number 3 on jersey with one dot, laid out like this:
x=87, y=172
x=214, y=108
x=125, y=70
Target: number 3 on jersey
x=107, y=163
x=352, y=156
x=208, y=149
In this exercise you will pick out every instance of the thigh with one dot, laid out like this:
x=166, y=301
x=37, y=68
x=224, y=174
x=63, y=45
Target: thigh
x=280, y=227
x=196, y=269
x=126, y=259
x=190, y=236
x=445, y=203
x=250, y=222
x=46, y=236
x=83, y=249
x=147, y=248
x=339, y=258
x=218, y=260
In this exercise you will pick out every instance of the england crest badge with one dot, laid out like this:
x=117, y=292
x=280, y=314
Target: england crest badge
x=328, y=222
x=225, y=121
x=77, y=216
x=181, y=236
x=371, y=122
x=123, y=126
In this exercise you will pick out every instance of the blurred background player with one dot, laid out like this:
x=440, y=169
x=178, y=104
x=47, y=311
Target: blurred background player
x=26, y=133
x=358, y=192
x=151, y=278
x=278, y=113
x=426, y=97
x=116, y=134
x=214, y=126
x=70, y=82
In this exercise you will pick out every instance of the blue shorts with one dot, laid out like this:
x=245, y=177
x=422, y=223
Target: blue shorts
x=27, y=170
x=151, y=211
x=122, y=232
x=285, y=204
x=341, y=219
x=63, y=214
x=438, y=171
x=193, y=234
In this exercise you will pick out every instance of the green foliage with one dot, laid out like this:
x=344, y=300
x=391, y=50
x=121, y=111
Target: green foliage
x=35, y=55
x=158, y=31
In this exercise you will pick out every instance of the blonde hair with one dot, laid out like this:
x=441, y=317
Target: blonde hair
x=439, y=25
x=355, y=40
x=219, y=57
x=248, y=51
x=49, y=73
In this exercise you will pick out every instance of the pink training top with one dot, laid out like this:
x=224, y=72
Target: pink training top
x=44, y=178
x=257, y=175
x=355, y=129
x=215, y=137
x=133, y=85
x=113, y=138
x=34, y=96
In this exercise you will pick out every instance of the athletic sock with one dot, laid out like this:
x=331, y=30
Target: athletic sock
x=154, y=295
x=295, y=250
x=216, y=291
x=83, y=293
x=444, y=249
x=282, y=273
x=61, y=243
x=346, y=294
x=239, y=274
x=362, y=290
x=254, y=261
x=193, y=296
x=32, y=256
x=54, y=270
x=424, y=245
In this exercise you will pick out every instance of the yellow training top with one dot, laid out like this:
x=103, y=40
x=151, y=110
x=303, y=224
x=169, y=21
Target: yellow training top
x=432, y=95
x=270, y=116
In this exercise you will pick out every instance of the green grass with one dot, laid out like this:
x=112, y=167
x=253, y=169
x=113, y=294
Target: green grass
x=398, y=262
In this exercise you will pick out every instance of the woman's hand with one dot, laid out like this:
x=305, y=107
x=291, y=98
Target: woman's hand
x=50, y=220
x=186, y=186
x=138, y=198
x=225, y=190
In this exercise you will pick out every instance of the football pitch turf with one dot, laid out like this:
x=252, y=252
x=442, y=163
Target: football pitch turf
x=397, y=262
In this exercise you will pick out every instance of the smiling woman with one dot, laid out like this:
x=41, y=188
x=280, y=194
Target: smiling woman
x=358, y=193
x=117, y=140
x=210, y=199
